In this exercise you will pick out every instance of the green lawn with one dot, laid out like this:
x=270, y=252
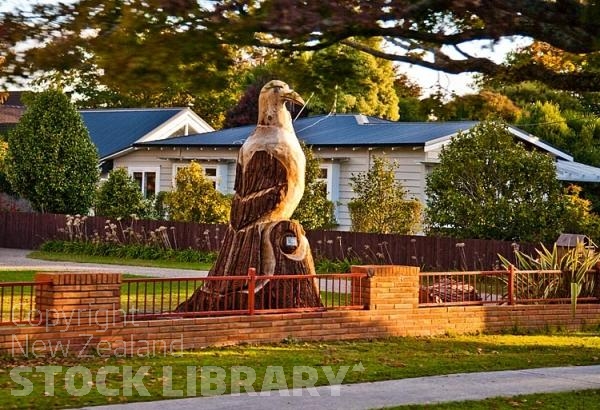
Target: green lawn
x=584, y=399
x=55, y=256
x=392, y=358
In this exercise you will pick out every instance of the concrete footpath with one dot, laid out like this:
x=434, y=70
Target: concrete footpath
x=16, y=259
x=420, y=390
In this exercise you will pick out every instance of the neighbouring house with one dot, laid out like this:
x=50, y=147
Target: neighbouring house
x=346, y=144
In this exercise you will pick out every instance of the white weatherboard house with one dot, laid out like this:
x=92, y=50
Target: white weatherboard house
x=346, y=144
x=114, y=131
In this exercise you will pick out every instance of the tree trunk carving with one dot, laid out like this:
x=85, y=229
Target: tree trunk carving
x=270, y=249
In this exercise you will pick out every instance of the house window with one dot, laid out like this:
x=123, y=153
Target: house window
x=210, y=173
x=147, y=179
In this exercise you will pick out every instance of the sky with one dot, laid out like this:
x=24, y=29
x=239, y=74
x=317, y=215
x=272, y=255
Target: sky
x=429, y=80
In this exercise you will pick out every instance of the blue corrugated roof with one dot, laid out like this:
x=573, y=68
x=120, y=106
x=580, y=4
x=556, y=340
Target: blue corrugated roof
x=336, y=130
x=115, y=130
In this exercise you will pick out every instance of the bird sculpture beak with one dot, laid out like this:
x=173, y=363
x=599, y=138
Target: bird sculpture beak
x=293, y=97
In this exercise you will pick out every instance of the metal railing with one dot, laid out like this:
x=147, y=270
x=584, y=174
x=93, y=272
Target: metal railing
x=462, y=288
x=498, y=287
x=17, y=302
x=241, y=295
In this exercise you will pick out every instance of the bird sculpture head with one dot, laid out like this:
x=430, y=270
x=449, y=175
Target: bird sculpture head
x=271, y=104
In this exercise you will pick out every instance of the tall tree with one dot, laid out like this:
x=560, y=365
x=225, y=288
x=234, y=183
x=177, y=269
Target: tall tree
x=545, y=120
x=488, y=186
x=52, y=161
x=380, y=204
x=342, y=79
x=337, y=79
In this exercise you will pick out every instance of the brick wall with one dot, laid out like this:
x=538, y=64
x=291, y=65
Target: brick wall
x=392, y=310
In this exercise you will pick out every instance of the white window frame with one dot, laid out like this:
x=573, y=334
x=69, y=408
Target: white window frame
x=214, y=179
x=144, y=171
x=333, y=183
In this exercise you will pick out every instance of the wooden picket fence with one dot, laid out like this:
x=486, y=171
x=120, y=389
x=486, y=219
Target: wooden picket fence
x=29, y=230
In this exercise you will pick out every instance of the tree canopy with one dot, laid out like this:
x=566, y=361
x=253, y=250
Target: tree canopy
x=129, y=50
x=426, y=33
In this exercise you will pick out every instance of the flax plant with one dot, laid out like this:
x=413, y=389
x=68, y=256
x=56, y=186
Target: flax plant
x=575, y=265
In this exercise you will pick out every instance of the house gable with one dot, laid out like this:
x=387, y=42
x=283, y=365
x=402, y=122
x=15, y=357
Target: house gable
x=114, y=131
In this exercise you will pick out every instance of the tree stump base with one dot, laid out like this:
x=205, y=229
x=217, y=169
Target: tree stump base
x=272, y=248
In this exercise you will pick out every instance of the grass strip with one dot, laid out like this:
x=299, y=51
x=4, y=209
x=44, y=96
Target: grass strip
x=70, y=257
x=583, y=399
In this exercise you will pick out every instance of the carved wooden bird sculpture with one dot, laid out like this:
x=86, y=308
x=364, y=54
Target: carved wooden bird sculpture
x=269, y=184
x=269, y=180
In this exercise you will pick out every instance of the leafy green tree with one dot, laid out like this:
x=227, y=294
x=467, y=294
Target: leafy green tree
x=195, y=199
x=583, y=139
x=488, y=186
x=52, y=160
x=576, y=132
x=545, y=120
x=347, y=80
x=4, y=183
x=119, y=196
x=380, y=204
x=412, y=109
x=315, y=211
x=482, y=106
x=578, y=216
x=338, y=79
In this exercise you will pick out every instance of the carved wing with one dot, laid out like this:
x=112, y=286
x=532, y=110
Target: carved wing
x=260, y=188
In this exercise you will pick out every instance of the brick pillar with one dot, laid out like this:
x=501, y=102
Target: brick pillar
x=82, y=298
x=388, y=286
